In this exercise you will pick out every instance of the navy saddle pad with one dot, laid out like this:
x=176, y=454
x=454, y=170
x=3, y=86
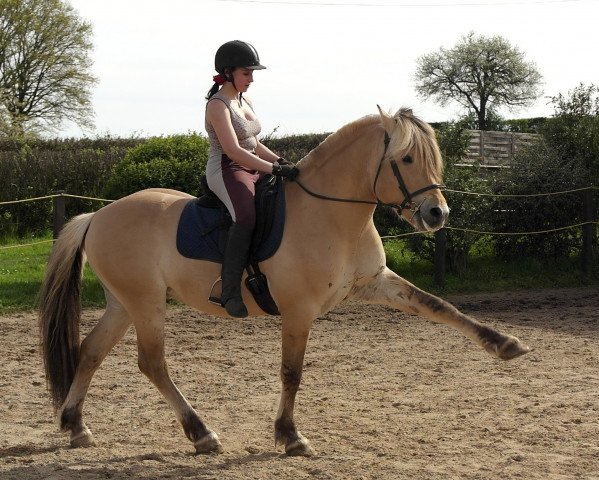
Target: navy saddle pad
x=204, y=224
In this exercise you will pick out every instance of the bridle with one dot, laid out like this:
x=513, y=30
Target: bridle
x=407, y=204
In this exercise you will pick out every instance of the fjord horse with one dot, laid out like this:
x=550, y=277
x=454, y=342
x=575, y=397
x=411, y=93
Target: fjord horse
x=330, y=252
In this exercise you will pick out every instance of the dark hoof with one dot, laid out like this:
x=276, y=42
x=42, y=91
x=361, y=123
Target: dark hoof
x=296, y=446
x=509, y=349
x=299, y=448
x=208, y=444
x=512, y=348
x=83, y=439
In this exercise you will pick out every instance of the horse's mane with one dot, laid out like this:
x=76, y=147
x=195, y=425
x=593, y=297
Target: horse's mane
x=411, y=132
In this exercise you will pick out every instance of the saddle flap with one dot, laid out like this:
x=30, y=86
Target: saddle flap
x=204, y=222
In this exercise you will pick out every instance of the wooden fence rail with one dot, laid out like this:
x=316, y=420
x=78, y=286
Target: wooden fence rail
x=496, y=149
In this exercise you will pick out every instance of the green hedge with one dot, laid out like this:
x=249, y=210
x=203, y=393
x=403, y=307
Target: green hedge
x=294, y=147
x=538, y=169
x=105, y=168
x=176, y=162
x=112, y=168
x=520, y=125
x=42, y=167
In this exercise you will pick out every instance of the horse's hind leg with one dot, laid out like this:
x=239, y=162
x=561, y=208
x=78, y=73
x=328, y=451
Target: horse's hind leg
x=294, y=340
x=152, y=363
x=387, y=288
x=94, y=348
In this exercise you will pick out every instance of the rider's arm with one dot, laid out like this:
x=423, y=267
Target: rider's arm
x=266, y=153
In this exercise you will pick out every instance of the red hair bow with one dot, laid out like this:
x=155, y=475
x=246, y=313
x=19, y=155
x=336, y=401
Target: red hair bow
x=219, y=79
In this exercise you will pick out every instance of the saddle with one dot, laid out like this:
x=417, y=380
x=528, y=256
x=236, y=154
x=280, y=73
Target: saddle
x=203, y=230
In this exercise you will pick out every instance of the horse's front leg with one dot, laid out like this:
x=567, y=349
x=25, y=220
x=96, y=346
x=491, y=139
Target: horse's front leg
x=294, y=338
x=387, y=288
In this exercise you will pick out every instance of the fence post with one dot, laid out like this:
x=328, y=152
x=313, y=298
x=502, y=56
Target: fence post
x=588, y=232
x=58, y=213
x=440, y=254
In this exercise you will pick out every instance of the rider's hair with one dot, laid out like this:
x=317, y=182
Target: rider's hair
x=227, y=73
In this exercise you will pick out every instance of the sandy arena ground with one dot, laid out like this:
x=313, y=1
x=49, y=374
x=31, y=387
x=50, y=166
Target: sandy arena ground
x=385, y=395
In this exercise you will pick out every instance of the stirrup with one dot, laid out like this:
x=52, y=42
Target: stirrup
x=216, y=292
x=215, y=297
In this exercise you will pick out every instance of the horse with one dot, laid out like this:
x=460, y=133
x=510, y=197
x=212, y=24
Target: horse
x=330, y=252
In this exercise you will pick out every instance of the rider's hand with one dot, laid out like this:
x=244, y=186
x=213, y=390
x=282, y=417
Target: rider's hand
x=288, y=171
x=284, y=161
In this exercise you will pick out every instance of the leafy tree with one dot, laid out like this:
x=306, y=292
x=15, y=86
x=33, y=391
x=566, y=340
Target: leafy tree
x=480, y=73
x=573, y=130
x=44, y=66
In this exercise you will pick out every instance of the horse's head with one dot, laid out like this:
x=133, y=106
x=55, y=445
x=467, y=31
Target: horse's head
x=410, y=174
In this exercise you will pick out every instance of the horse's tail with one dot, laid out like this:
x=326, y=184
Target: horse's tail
x=60, y=308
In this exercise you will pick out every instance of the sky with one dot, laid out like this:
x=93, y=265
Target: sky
x=328, y=62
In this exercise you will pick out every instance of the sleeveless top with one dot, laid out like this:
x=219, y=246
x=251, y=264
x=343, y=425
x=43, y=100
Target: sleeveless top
x=246, y=130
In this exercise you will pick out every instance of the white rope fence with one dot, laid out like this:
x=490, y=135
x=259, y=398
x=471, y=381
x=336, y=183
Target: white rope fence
x=386, y=237
x=522, y=195
x=47, y=197
x=56, y=195
x=525, y=195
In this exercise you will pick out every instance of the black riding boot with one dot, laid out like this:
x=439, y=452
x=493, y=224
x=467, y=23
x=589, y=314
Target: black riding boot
x=236, y=254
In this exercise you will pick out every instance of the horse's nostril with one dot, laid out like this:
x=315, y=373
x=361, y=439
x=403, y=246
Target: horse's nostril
x=436, y=212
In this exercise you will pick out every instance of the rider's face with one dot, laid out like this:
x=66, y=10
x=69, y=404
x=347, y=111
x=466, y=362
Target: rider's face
x=243, y=78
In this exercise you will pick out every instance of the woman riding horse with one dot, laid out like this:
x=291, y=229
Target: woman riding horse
x=237, y=160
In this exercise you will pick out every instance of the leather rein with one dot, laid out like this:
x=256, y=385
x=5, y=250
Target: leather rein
x=407, y=202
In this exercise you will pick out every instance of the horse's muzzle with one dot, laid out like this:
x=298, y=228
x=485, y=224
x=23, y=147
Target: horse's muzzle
x=431, y=215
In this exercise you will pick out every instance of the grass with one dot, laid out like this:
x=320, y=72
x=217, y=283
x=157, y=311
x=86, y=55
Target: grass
x=485, y=273
x=22, y=270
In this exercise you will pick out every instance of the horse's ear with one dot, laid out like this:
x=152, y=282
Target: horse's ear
x=387, y=120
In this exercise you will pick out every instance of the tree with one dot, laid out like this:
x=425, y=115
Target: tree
x=480, y=73
x=44, y=67
x=573, y=130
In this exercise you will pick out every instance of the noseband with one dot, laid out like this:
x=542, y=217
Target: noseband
x=406, y=204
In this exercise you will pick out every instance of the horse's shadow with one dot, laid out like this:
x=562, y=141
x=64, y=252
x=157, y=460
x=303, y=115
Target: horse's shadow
x=27, y=450
x=565, y=310
x=125, y=467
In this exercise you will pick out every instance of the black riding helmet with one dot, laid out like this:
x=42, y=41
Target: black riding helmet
x=237, y=54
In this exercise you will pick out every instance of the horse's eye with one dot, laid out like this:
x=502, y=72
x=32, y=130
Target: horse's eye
x=407, y=159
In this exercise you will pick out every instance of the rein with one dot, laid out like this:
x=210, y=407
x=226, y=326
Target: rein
x=407, y=203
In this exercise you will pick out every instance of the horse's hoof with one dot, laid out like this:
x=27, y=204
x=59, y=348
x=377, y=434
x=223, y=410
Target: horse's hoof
x=512, y=348
x=208, y=444
x=299, y=448
x=83, y=439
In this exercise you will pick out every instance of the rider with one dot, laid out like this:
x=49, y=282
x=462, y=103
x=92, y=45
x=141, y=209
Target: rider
x=237, y=160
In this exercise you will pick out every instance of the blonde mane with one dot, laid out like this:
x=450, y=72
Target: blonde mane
x=411, y=134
